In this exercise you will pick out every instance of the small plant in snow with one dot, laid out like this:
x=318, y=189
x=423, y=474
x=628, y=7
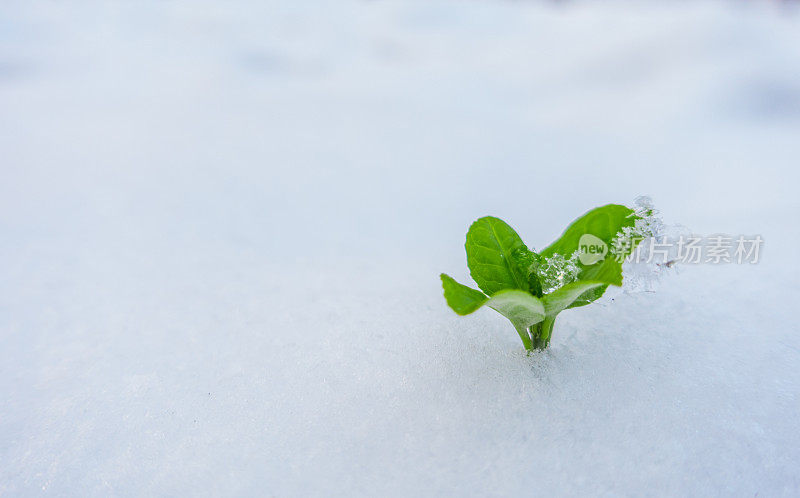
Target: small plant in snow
x=530, y=288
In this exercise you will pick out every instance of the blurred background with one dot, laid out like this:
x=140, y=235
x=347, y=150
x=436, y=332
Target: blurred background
x=221, y=226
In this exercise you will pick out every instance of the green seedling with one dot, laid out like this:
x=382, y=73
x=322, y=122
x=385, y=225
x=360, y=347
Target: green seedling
x=530, y=288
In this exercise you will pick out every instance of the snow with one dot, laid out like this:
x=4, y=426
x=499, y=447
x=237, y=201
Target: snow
x=222, y=225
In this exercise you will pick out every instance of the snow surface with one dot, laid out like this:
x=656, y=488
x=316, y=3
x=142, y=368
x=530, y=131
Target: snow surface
x=222, y=224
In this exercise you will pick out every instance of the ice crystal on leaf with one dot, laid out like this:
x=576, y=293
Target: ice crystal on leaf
x=648, y=224
x=654, y=252
x=557, y=271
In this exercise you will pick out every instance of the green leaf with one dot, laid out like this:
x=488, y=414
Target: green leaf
x=608, y=271
x=520, y=307
x=462, y=299
x=528, y=261
x=562, y=298
x=493, y=249
x=589, y=297
x=603, y=222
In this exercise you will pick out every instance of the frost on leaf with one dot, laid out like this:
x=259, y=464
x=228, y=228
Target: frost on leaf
x=648, y=224
x=647, y=247
x=556, y=271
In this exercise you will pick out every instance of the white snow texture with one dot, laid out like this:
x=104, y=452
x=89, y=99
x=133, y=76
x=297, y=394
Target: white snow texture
x=222, y=225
